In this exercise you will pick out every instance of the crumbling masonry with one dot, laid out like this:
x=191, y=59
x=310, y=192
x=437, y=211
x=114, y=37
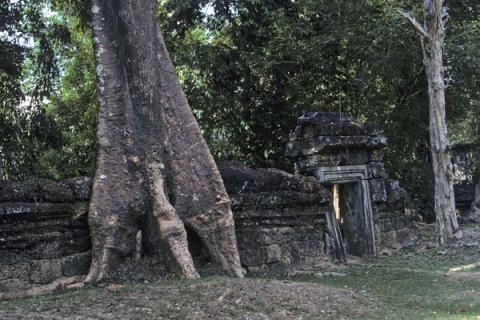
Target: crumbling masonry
x=339, y=204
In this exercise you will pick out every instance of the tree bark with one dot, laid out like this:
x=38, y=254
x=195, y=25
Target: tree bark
x=432, y=36
x=154, y=171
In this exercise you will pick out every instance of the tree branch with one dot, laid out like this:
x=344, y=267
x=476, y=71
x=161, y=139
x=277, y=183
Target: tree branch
x=415, y=24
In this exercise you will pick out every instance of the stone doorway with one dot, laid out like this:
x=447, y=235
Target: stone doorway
x=352, y=206
x=337, y=149
x=349, y=213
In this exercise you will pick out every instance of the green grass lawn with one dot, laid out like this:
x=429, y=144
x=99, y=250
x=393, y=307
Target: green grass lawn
x=403, y=294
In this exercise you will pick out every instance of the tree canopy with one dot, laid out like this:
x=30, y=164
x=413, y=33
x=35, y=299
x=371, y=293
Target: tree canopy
x=249, y=69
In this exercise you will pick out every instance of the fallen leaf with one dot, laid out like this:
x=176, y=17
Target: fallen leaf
x=114, y=287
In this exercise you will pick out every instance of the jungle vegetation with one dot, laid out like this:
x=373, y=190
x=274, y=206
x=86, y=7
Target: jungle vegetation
x=249, y=69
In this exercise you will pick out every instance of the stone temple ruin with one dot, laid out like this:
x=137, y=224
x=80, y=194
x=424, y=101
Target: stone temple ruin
x=339, y=204
x=347, y=155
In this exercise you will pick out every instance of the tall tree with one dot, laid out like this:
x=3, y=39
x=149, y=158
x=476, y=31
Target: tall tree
x=432, y=36
x=154, y=171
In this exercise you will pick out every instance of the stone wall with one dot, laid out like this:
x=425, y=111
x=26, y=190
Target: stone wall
x=44, y=236
x=43, y=232
x=279, y=217
x=283, y=221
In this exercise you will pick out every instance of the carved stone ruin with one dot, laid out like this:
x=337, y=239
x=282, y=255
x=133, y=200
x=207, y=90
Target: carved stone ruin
x=347, y=155
x=339, y=204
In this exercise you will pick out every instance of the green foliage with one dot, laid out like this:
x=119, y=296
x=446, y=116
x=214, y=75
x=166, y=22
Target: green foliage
x=27, y=67
x=74, y=108
x=47, y=91
x=251, y=68
x=462, y=70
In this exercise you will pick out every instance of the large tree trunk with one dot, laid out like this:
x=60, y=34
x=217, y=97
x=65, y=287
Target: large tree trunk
x=154, y=171
x=432, y=35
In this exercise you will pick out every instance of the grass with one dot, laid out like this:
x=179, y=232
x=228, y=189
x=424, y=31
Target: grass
x=406, y=294
x=437, y=259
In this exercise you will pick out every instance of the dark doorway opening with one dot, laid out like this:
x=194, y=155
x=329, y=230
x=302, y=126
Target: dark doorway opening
x=349, y=206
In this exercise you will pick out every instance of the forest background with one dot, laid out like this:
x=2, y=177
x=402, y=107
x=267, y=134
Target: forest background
x=249, y=69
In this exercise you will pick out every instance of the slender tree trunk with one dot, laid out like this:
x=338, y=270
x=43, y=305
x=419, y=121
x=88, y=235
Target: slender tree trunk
x=432, y=35
x=154, y=171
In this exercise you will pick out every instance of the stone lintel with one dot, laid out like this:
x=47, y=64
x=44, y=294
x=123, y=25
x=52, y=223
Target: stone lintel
x=341, y=174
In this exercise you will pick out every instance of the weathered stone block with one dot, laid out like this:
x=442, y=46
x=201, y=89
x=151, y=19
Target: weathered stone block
x=29, y=211
x=378, y=190
x=277, y=235
x=464, y=196
x=283, y=222
x=376, y=142
x=306, y=234
x=465, y=159
x=274, y=253
x=312, y=248
x=14, y=266
x=253, y=257
x=80, y=210
x=248, y=238
x=13, y=285
x=279, y=266
x=340, y=158
x=77, y=264
x=324, y=144
x=394, y=192
x=53, y=191
x=375, y=155
x=82, y=187
x=317, y=160
x=239, y=179
x=11, y=191
x=376, y=170
x=46, y=271
x=385, y=225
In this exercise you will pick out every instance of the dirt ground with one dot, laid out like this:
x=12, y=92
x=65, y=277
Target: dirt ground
x=212, y=298
x=145, y=291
